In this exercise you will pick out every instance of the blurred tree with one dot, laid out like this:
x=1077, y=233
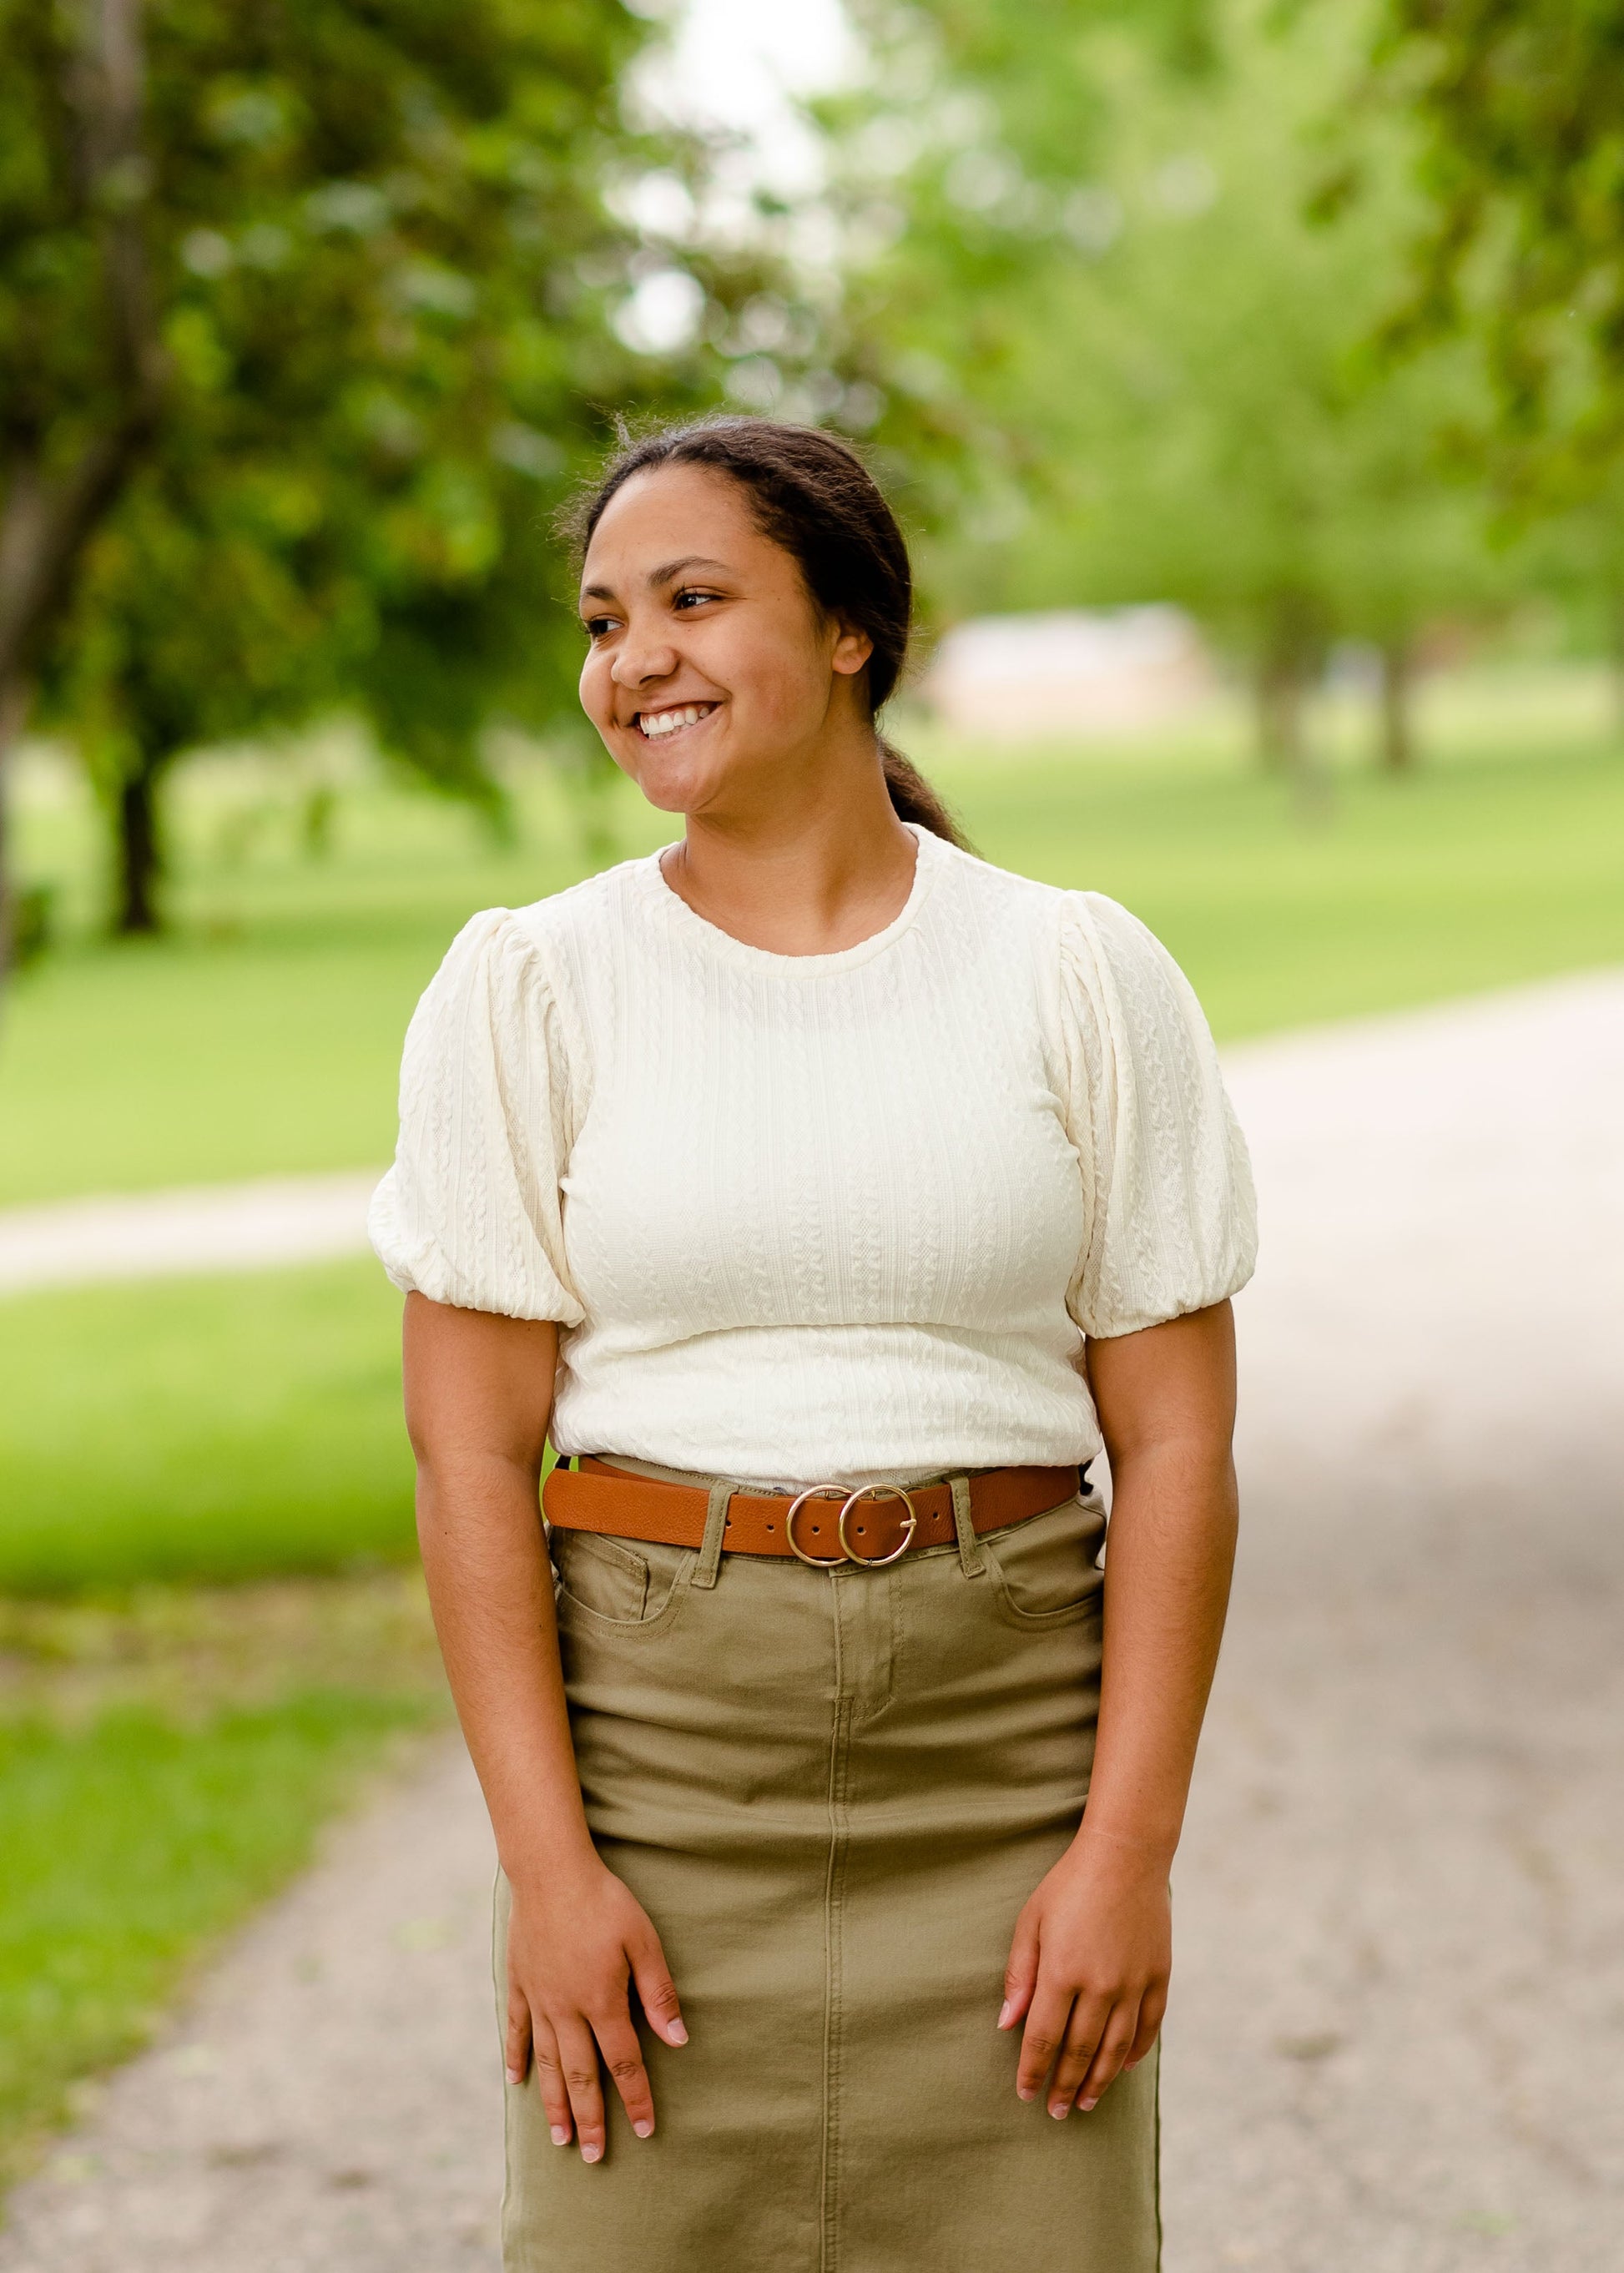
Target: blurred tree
x=1154, y=359
x=304, y=324
x=1519, y=106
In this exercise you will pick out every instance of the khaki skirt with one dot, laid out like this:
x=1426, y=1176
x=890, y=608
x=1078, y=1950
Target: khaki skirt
x=832, y=1791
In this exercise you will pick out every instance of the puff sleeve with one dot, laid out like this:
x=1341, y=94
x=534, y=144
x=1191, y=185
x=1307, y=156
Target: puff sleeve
x=471, y=1214
x=1169, y=1211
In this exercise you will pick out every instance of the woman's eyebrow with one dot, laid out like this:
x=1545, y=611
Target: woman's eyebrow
x=666, y=572
x=669, y=570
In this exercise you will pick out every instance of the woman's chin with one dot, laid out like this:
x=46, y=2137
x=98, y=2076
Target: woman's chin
x=673, y=786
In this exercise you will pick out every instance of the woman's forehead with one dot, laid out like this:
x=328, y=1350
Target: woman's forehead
x=666, y=515
x=660, y=499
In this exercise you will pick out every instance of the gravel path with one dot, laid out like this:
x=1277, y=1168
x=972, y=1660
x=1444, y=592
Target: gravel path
x=1398, y=2039
x=209, y=1227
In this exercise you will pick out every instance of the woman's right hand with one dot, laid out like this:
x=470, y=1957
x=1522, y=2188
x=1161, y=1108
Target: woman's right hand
x=575, y=1945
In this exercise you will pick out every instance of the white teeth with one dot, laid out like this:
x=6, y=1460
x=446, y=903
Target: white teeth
x=667, y=721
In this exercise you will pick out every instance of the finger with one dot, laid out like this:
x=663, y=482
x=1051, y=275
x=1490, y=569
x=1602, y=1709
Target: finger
x=1112, y=2050
x=1153, y=2011
x=1041, y=2039
x=1020, y=1975
x=1090, y=2016
x=657, y=1992
x=623, y=2058
x=578, y=2058
x=555, y=2091
x=516, y=2036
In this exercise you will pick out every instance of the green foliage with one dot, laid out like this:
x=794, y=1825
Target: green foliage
x=375, y=272
x=1520, y=107
x=1139, y=363
x=208, y=1428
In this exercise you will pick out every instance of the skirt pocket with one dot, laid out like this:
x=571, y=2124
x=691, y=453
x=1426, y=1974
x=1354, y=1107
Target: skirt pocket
x=1047, y=1569
x=613, y=1582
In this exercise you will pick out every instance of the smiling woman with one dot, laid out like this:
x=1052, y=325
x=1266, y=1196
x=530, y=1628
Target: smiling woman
x=783, y=639
x=833, y=1199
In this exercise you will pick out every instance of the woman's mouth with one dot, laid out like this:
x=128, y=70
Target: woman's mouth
x=659, y=726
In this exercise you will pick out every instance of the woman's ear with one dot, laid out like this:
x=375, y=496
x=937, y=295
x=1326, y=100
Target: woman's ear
x=852, y=651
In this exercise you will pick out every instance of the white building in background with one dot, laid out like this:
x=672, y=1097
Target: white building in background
x=1074, y=671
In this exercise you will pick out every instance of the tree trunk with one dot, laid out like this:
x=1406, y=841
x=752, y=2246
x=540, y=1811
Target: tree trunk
x=46, y=522
x=140, y=863
x=1398, y=673
x=1282, y=692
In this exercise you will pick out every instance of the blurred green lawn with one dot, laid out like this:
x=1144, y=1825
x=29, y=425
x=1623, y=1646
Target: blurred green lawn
x=216, y=1429
x=210, y=1428
x=131, y=1840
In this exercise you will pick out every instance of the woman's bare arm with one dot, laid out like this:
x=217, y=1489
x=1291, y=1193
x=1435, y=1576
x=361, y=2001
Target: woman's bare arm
x=479, y=1399
x=1092, y=1951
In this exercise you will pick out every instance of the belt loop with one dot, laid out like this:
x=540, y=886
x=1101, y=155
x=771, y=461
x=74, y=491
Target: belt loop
x=716, y=1523
x=972, y=1559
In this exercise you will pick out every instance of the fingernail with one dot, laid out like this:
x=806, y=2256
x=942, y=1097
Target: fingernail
x=1061, y=2112
x=644, y=2130
x=560, y=2136
x=1087, y=2103
x=590, y=2154
x=1006, y=2014
x=1024, y=2091
x=677, y=2034
x=516, y=2075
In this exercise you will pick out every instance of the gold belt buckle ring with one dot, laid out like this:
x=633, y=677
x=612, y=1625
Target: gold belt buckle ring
x=878, y=1491
x=815, y=1491
x=848, y=1553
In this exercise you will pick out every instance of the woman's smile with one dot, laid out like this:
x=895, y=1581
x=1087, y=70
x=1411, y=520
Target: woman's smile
x=660, y=725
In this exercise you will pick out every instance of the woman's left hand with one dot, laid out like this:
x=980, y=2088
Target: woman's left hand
x=1088, y=1969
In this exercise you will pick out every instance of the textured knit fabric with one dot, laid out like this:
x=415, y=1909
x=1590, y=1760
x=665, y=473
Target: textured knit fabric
x=818, y=1217
x=833, y=1792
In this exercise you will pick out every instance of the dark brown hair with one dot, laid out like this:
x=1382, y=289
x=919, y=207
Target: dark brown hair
x=811, y=493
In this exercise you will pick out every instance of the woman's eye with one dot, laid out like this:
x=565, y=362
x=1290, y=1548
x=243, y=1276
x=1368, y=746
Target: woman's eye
x=683, y=599
x=597, y=626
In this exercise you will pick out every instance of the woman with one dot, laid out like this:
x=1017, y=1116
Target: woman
x=832, y=1198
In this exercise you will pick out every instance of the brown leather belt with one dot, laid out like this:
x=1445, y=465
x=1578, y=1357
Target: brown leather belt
x=826, y=1525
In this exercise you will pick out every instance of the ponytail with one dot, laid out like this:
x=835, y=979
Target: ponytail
x=912, y=797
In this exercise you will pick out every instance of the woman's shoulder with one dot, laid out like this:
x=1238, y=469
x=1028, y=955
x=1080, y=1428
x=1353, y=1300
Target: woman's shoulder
x=1071, y=921
x=547, y=940
x=580, y=912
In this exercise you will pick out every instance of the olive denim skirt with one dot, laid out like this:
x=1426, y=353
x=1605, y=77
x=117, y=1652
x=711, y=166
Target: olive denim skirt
x=832, y=1791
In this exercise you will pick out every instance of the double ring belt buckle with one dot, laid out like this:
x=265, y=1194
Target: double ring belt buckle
x=848, y=1553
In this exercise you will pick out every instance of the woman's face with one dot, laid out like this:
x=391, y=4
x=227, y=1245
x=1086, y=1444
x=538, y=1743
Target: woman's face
x=711, y=671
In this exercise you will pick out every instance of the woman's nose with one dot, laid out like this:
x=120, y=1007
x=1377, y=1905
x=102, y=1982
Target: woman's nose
x=637, y=661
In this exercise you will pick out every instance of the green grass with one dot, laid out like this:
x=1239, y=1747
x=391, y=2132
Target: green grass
x=264, y=1036
x=1398, y=893
x=212, y=1428
x=133, y=1840
x=166, y=1758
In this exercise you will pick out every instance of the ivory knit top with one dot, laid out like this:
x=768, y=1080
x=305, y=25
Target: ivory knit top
x=826, y=1218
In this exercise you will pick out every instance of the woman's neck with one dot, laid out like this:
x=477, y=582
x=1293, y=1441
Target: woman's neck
x=800, y=879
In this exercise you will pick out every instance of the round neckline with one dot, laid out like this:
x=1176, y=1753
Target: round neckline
x=683, y=917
